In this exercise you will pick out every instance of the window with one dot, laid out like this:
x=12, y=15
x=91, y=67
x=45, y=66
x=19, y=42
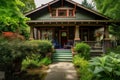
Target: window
x=62, y=12
x=71, y=13
x=46, y=34
x=53, y=12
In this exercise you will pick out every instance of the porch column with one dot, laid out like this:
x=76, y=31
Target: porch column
x=77, y=38
x=107, y=41
x=35, y=33
x=106, y=31
x=38, y=34
x=31, y=32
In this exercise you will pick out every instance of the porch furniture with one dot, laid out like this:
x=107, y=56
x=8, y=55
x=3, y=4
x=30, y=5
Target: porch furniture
x=69, y=44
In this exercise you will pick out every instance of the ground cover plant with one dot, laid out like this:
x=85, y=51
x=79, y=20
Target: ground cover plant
x=106, y=67
x=12, y=54
x=83, y=50
x=82, y=66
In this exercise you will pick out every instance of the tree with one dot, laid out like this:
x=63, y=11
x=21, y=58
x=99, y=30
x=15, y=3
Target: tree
x=29, y=5
x=11, y=18
x=111, y=9
x=88, y=5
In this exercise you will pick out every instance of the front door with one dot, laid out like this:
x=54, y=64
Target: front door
x=63, y=37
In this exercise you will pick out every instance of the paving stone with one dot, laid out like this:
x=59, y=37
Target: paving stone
x=61, y=71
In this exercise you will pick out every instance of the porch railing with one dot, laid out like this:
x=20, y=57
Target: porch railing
x=94, y=44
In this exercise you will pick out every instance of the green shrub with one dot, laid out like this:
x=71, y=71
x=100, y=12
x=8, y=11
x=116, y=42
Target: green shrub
x=31, y=61
x=115, y=50
x=76, y=60
x=83, y=49
x=10, y=51
x=35, y=61
x=106, y=67
x=44, y=46
x=82, y=66
x=45, y=61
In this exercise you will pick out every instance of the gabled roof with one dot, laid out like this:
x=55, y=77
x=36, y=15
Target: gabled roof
x=69, y=1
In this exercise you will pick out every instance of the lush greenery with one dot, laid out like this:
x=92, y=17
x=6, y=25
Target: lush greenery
x=105, y=7
x=83, y=50
x=114, y=50
x=13, y=52
x=106, y=67
x=82, y=66
x=35, y=61
x=88, y=5
x=11, y=18
x=42, y=46
x=111, y=11
x=29, y=5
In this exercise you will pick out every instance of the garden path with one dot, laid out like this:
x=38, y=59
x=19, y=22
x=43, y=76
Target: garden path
x=61, y=71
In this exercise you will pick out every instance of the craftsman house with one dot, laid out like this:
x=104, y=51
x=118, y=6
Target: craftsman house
x=65, y=22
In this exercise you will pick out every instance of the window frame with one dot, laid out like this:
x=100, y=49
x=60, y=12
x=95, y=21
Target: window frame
x=63, y=9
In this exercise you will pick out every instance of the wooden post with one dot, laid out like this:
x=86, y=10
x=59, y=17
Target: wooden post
x=31, y=33
x=38, y=34
x=107, y=41
x=35, y=33
x=106, y=31
x=77, y=38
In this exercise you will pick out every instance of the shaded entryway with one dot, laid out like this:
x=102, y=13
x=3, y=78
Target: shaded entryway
x=61, y=71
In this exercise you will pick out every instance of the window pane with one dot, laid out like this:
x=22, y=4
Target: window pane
x=54, y=13
x=62, y=12
x=47, y=34
x=70, y=12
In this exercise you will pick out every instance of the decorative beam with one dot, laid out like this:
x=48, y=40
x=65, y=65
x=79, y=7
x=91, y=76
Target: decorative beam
x=75, y=7
x=49, y=8
x=62, y=2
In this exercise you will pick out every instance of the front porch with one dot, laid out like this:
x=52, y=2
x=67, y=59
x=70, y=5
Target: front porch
x=66, y=34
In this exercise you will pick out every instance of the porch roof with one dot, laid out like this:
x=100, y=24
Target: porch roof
x=75, y=22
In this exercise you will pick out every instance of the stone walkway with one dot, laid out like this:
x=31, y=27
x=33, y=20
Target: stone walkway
x=61, y=71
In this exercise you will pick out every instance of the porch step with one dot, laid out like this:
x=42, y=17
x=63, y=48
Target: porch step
x=62, y=55
x=63, y=50
x=96, y=48
x=62, y=60
x=96, y=52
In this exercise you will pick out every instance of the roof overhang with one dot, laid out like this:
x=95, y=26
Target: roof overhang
x=70, y=1
x=41, y=7
x=73, y=22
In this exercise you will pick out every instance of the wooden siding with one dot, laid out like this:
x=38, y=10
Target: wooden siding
x=80, y=15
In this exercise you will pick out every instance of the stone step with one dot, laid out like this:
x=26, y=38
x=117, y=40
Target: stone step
x=62, y=60
x=63, y=50
x=62, y=55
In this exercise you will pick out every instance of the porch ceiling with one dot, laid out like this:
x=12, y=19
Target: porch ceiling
x=72, y=22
